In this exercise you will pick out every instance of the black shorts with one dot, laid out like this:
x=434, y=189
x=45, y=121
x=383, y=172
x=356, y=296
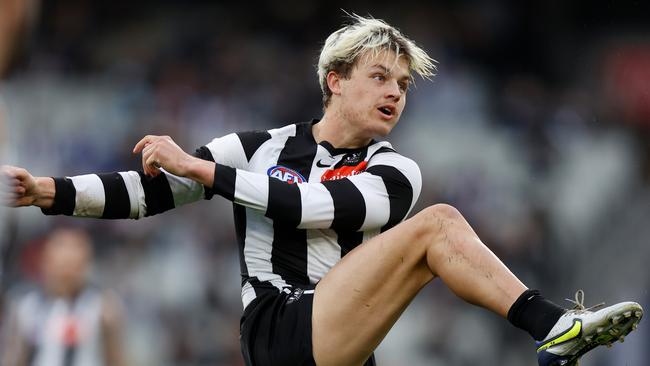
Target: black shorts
x=275, y=329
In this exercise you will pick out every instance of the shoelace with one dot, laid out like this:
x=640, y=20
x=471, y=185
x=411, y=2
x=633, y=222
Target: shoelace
x=579, y=302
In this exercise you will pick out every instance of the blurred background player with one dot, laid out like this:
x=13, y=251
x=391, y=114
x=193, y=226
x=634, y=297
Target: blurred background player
x=68, y=321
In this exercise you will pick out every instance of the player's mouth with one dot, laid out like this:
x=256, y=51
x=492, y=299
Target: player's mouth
x=387, y=111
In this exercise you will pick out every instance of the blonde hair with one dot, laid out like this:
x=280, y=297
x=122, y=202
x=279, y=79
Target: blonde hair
x=343, y=48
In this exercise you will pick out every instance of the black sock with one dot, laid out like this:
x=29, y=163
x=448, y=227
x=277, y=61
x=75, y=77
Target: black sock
x=534, y=314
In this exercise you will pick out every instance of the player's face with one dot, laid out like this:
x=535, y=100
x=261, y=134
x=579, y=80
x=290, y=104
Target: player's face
x=374, y=96
x=65, y=263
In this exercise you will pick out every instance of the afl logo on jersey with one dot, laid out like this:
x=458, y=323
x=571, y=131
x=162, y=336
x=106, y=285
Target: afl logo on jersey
x=285, y=174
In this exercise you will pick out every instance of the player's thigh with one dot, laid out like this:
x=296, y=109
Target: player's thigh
x=360, y=299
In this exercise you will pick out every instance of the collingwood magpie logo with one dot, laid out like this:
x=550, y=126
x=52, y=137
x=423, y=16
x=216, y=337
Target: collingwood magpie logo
x=353, y=159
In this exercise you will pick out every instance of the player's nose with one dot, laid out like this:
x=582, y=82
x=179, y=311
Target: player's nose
x=393, y=90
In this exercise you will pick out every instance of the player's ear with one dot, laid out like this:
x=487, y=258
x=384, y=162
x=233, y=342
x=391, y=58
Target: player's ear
x=334, y=82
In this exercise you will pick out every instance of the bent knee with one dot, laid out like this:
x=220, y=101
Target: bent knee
x=440, y=212
x=437, y=219
x=444, y=210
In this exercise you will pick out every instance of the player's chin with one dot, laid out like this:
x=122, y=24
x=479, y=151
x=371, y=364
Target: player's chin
x=381, y=132
x=384, y=128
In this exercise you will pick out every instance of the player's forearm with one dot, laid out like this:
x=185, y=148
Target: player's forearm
x=45, y=192
x=201, y=171
x=117, y=195
x=122, y=195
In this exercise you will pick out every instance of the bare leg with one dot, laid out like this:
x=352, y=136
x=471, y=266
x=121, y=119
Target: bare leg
x=360, y=299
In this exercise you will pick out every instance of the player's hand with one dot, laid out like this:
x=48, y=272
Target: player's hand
x=18, y=187
x=162, y=152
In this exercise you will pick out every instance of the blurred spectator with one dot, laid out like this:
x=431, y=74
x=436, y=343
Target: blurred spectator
x=15, y=16
x=68, y=321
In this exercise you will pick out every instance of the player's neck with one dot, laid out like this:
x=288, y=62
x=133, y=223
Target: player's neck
x=338, y=131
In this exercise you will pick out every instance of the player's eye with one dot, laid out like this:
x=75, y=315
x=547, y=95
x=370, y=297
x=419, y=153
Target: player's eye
x=379, y=77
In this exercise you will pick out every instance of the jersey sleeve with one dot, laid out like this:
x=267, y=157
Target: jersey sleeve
x=380, y=197
x=132, y=194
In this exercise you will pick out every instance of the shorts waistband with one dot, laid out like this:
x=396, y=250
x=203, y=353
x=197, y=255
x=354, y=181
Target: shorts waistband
x=250, y=291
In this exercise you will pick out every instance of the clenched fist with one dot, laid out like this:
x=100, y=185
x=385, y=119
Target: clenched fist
x=20, y=188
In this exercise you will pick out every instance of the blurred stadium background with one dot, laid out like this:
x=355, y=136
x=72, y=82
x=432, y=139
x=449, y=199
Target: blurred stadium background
x=537, y=128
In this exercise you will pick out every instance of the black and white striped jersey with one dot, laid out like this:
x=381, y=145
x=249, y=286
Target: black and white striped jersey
x=60, y=332
x=299, y=206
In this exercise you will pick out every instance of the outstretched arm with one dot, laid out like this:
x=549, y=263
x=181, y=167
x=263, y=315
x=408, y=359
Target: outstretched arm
x=115, y=195
x=131, y=194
